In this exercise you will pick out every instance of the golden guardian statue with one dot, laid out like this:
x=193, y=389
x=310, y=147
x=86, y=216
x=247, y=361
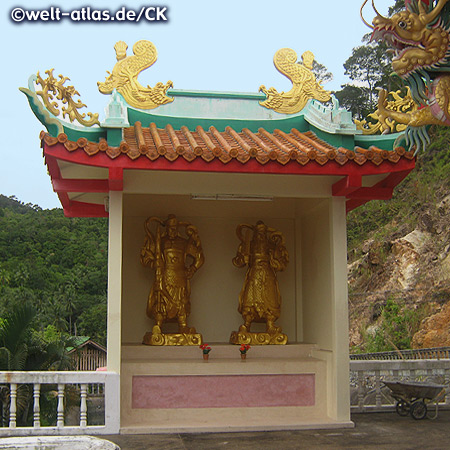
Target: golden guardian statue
x=262, y=249
x=174, y=258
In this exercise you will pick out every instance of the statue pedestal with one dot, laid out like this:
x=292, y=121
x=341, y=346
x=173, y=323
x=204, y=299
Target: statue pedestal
x=170, y=339
x=170, y=389
x=245, y=337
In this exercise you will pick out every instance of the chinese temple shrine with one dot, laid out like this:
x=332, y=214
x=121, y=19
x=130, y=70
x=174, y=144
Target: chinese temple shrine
x=216, y=161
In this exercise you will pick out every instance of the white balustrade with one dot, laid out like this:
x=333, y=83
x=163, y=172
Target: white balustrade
x=83, y=406
x=86, y=383
x=13, y=405
x=368, y=392
x=36, y=405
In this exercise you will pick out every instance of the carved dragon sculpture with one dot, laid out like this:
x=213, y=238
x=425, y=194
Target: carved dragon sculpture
x=124, y=77
x=420, y=39
x=305, y=85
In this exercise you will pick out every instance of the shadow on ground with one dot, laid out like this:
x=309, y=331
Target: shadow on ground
x=372, y=431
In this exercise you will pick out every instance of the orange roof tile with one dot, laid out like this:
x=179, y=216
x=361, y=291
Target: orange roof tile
x=153, y=143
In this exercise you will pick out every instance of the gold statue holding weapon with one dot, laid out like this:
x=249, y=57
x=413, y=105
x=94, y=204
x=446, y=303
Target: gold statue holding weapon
x=263, y=250
x=174, y=259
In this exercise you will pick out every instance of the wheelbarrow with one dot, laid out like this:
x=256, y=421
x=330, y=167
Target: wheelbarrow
x=412, y=397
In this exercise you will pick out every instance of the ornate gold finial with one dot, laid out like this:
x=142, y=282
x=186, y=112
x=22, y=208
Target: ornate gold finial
x=53, y=89
x=305, y=85
x=121, y=50
x=124, y=77
x=382, y=122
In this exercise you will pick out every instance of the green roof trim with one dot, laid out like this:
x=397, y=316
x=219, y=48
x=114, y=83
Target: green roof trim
x=220, y=110
x=382, y=141
x=52, y=124
x=191, y=123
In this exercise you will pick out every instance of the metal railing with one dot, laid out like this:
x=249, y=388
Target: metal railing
x=368, y=393
x=33, y=384
x=423, y=353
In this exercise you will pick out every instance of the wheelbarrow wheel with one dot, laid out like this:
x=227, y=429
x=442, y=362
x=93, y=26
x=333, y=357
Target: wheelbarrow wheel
x=419, y=410
x=402, y=408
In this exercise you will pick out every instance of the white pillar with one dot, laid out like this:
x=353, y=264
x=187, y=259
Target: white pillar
x=83, y=405
x=339, y=408
x=60, y=409
x=36, y=405
x=114, y=281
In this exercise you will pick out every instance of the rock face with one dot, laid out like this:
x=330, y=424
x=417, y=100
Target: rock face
x=435, y=330
x=413, y=268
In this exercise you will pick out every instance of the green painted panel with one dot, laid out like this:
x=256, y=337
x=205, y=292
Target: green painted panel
x=114, y=136
x=237, y=124
x=336, y=140
x=91, y=134
x=383, y=141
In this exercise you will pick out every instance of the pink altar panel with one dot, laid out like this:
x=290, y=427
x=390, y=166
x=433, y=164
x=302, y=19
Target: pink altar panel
x=222, y=391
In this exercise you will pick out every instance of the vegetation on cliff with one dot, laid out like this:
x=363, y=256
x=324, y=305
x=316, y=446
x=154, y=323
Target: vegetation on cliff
x=399, y=255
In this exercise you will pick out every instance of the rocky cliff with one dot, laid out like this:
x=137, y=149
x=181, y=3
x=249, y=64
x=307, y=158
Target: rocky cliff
x=399, y=270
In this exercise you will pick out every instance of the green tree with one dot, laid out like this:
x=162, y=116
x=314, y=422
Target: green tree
x=398, y=6
x=23, y=349
x=369, y=68
x=323, y=75
x=354, y=99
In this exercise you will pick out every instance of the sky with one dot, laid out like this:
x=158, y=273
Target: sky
x=203, y=45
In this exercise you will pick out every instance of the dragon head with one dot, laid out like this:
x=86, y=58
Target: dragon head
x=419, y=35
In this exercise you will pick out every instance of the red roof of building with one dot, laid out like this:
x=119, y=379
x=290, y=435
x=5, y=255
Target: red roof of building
x=153, y=143
x=150, y=148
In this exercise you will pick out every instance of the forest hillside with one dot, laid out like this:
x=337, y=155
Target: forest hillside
x=56, y=264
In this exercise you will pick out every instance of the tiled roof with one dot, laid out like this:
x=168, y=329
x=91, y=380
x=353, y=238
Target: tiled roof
x=153, y=143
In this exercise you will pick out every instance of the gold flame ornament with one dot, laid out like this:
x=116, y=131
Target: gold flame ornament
x=124, y=77
x=262, y=249
x=305, y=86
x=380, y=123
x=174, y=256
x=53, y=90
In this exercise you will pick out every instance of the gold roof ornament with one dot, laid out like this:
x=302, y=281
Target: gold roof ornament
x=305, y=86
x=54, y=90
x=383, y=123
x=124, y=77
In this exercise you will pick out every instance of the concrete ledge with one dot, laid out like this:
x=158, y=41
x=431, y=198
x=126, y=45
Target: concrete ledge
x=174, y=429
x=139, y=352
x=57, y=443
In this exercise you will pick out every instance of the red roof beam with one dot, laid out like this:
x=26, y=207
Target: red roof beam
x=347, y=185
x=392, y=180
x=81, y=209
x=371, y=193
x=80, y=185
x=115, y=180
x=55, y=174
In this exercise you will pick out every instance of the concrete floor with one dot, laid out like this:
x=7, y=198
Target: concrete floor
x=372, y=431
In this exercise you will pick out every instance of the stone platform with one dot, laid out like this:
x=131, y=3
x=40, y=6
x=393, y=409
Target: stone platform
x=173, y=390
